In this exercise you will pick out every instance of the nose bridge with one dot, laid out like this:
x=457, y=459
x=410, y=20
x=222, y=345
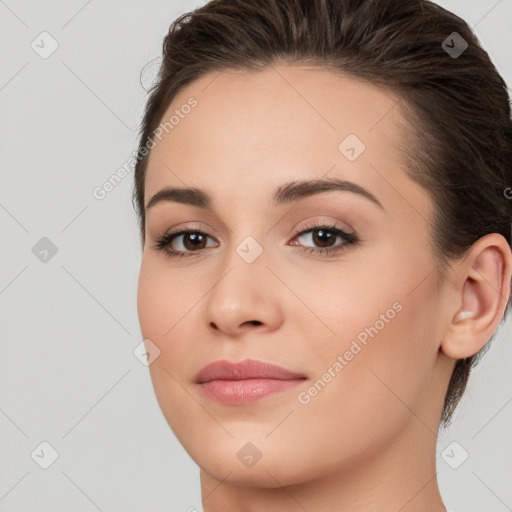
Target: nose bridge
x=248, y=235
x=243, y=269
x=241, y=292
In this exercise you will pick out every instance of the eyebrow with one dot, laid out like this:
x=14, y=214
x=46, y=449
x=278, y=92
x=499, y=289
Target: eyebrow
x=285, y=193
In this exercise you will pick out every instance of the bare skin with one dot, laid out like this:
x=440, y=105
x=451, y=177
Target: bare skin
x=366, y=441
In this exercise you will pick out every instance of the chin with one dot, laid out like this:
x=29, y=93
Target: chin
x=260, y=463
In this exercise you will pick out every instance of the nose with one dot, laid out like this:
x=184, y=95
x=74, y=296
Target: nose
x=243, y=299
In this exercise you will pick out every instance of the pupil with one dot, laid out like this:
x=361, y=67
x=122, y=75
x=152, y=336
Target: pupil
x=326, y=235
x=194, y=238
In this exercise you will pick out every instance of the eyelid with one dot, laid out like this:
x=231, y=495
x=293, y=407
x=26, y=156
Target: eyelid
x=308, y=225
x=191, y=226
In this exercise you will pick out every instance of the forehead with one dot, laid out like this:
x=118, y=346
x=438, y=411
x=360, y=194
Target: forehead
x=250, y=131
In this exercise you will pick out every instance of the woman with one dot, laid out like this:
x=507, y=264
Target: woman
x=322, y=194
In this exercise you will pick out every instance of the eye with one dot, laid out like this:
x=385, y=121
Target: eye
x=325, y=235
x=187, y=241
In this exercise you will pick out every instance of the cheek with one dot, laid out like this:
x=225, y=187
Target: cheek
x=162, y=298
x=384, y=355
x=153, y=318
x=360, y=385
x=371, y=340
x=336, y=304
x=162, y=305
x=169, y=305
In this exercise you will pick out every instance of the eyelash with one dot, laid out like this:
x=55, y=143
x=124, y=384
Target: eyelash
x=350, y=240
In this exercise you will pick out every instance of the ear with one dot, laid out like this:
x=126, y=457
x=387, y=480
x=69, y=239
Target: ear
x=483, y=287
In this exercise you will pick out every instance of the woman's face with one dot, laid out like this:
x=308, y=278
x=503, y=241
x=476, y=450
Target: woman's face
x=359, y=326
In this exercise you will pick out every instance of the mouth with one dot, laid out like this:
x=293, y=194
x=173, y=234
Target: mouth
x=245, y=382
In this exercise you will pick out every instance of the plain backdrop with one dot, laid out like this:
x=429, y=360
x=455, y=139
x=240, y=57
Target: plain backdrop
x=73, y=394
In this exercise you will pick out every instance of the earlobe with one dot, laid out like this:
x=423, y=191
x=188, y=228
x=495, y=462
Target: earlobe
x=484, y=288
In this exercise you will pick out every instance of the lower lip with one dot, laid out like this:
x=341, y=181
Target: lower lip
x=239, y=392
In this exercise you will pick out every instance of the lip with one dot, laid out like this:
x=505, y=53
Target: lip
x=245, y=381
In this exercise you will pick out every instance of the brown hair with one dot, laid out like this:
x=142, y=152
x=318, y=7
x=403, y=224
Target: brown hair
x=460, y=147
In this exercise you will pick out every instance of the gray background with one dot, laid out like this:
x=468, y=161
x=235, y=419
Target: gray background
x=69, y=327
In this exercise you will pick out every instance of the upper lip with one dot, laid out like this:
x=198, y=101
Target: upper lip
x=247, y=369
